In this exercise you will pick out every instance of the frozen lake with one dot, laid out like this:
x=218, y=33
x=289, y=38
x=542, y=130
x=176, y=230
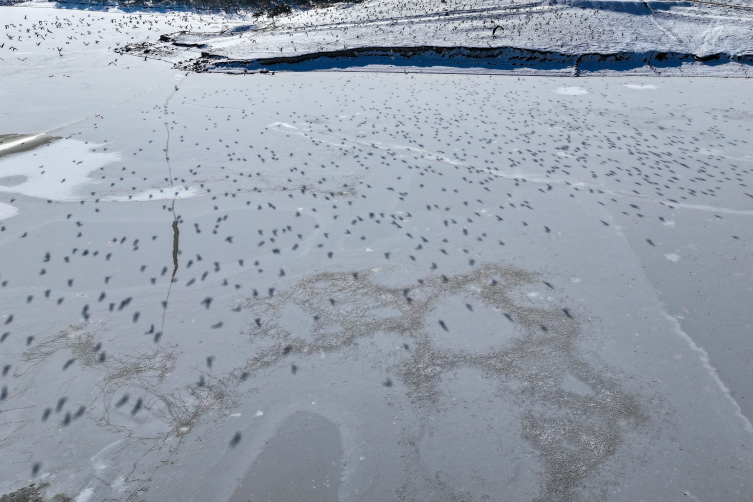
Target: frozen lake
x=368, y=286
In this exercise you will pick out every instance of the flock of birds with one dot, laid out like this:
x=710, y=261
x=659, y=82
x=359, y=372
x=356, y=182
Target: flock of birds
x=66, y=33
x=601, y=27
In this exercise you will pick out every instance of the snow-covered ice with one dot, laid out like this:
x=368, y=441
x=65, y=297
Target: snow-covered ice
x=55, y=172
x=575, y=37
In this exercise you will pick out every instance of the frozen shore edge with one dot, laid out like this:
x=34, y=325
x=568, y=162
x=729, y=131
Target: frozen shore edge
x=459, y=59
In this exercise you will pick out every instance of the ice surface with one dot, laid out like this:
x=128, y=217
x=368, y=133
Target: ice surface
x=301, y=462
x=171, y=347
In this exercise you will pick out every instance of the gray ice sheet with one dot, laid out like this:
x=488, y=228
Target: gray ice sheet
x=451, y=275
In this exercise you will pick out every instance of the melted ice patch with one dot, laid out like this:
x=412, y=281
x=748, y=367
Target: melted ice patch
x=572, y=91
x=641, y=86
x=54, y=172
x=179, y=192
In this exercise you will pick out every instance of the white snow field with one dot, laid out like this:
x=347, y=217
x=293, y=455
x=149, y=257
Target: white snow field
x=380, y=285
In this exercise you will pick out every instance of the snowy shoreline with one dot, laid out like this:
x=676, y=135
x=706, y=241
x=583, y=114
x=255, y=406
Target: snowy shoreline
x=478, y=60
x=599, y=38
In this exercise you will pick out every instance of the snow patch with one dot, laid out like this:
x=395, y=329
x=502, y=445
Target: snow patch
x=709, y=209
x=7, y=211
x=85, y=495
x=572, y=91
x=178, y=192
x=55, y=172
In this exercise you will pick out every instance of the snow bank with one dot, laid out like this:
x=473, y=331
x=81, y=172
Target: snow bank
x=656, y=37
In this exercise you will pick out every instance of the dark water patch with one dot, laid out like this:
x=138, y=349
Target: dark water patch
x=497, y=58
x=271, y=8
x=11, y=181
x=627, y=6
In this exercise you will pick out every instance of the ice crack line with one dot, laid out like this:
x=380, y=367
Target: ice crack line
x=167, y=129
x=95, y=114
x=176, y=231
x=104, y=109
